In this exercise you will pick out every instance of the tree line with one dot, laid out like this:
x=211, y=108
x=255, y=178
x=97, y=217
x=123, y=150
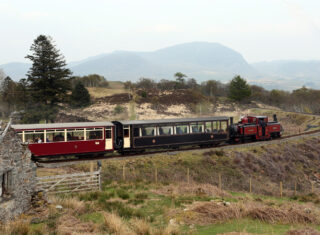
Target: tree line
x=238, y=90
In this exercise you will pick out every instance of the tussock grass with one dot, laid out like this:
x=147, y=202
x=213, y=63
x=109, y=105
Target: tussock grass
x=18, y=228
x=71, y=203
x=115, y=224
x=141, y=227
x=212, y=212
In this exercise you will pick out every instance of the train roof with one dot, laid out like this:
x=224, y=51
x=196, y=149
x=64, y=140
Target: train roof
x=61, y=125
x=174, y=120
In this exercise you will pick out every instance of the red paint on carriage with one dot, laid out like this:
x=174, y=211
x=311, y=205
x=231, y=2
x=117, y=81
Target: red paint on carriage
x=67, y=138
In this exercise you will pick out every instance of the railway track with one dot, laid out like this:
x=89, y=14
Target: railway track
x=53, y=163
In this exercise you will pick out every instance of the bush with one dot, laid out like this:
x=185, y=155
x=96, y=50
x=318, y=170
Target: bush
x=123, y=194
x=120, y=208
x=141, y=196
x=118, y=109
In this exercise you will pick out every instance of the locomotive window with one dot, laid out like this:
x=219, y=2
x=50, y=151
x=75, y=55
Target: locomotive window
x=108, y=133
x=136, y=132
x=208, y=126
x=55, y=135
x=165, y=130
x=223, y=126
x=75, y=134
x=182, y=129
x=34, y=138
x=148, y=131
x=216, y=126
x=94, y=133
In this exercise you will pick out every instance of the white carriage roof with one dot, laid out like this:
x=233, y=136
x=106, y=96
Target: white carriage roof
x=175, y=120
x=61, y=125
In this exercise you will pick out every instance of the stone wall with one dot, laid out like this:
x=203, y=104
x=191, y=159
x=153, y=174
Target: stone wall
x=15, y=158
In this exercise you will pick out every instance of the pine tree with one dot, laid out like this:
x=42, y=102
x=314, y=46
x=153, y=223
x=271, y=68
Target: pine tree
x=239, y=89
x=80, y=96
x=48, y=79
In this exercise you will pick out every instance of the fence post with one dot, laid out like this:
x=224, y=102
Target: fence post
x=280, y=188
x=156, y=175
x=188, y=176
x=250, y=185
x=124, y=172
x=295, y=188
x=220, y=184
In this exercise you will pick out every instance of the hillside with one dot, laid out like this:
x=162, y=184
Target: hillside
x=193, y=192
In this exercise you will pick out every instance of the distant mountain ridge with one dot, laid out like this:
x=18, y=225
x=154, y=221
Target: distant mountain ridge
x=200, y=60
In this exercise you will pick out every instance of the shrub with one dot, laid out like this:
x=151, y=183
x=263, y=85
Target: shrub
x=121, y=209
x=123, y=194
x=141, y=196
x=118, y=109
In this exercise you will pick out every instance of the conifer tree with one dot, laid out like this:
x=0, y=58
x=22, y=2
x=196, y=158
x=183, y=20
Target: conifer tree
x=80, y=96
x=48, y=79
x=239, y=89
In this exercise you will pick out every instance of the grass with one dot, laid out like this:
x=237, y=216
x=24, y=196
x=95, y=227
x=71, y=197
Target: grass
x=246, y=225
x=114, y=88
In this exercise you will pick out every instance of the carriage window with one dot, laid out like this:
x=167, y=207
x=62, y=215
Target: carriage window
x=216, y=126
x=55, y=135
x=136, y=132
x=208, y=127
x=126, y=132
x=108, y=133
x=94, y=133
x=75, y=134
x=182, y=129
x=223, y=126
x=194, y=128
x=165, y=130
x=33, y=137
x=148, y=131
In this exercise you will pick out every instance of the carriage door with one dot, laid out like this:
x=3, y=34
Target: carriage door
x=109, y=138
x=126, y=136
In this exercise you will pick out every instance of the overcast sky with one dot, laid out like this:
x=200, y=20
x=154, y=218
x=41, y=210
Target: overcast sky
x=258, y=29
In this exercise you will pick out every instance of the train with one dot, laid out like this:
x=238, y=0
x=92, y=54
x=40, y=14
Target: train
x=135, y=136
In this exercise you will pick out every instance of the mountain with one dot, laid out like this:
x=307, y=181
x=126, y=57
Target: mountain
x=200, y=60
x=293, y=72
x=16, y=70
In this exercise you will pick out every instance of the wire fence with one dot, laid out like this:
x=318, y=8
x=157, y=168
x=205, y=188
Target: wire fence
x=231, y=182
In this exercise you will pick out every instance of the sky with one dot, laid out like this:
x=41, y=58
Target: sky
x=261, y=30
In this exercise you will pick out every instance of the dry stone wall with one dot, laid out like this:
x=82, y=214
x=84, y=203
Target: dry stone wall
x=17, y=176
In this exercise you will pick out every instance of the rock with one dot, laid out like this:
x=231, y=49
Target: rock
x=226, y=203
x=172, y=222
x=191, y=226
x=307, y=210
x=59, y=207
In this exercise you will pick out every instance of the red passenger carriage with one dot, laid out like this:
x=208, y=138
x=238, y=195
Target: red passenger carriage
x=67, y=138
